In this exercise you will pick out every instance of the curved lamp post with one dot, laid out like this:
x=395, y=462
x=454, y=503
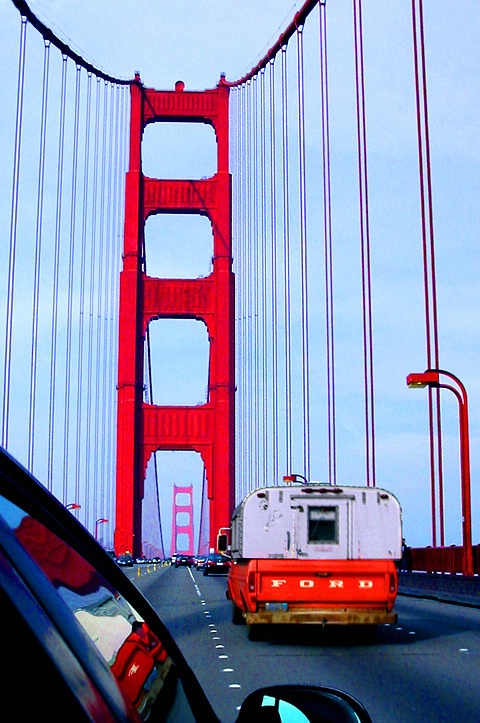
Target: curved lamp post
x=97, y=523
x=291, y=478
x=73, y=506
x=431, y=378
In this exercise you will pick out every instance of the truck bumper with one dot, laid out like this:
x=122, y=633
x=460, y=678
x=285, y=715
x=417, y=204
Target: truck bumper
x=322, y=617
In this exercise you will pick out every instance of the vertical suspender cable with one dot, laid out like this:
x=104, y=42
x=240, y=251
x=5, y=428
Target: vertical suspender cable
x=13, y=233
x=273, y=283
x=247, y=272
x=263, y=279
x=302, y=173
x=428, y=244
x=122, y=117
x=237, y=240
x=254, y=269
x=365, y=248
x=108, y=269
x=56, y=277
x=250, y=389
x=71, y=265
x=234, y=121
x=328, y=249
x=91, y=291
x=119, y=168
x=244, y=292
x=38, y=256
x=243, y=311
x=99, y=365
x=242, y=201
x=79, y=469
x=286, y=266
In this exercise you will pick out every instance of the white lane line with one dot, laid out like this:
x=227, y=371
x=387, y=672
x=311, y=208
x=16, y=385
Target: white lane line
x=214, y=632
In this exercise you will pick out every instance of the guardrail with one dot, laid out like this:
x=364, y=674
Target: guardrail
x=439, y=559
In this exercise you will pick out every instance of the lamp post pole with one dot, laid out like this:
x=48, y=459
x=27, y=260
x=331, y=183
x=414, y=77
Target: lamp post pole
x=431, y=378
x=290, y=478
x=97, y=523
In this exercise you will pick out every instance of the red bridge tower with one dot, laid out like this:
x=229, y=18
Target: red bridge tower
x=144, y=428
x=182, y=520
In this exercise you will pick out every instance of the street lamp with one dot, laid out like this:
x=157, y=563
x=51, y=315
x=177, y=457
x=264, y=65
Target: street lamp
x=292, y=478
x=431, y=378
x=73, y=506
x=97, y=523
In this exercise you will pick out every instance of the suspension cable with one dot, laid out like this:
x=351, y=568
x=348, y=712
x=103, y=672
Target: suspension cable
x=365, y=247
x=71, y=261
x=13, y=233
x=82, y=290
x=328, y=249
x=302, y=172
x=56, y=277
x=38, y=257
x=48, y=35
x=280, y=44
x=286, y=266
x=274, y=261
x=428, y=245
x=264, y=223
x=255, y=297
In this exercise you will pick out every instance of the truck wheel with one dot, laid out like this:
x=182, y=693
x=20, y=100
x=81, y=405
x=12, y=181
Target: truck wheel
x=237, y=617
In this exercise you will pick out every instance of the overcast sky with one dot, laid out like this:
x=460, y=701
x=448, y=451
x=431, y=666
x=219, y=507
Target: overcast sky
x=197, y=40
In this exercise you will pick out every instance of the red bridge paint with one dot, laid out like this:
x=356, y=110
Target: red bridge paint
x=144, y=428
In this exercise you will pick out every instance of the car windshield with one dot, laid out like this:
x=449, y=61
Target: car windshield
x=121, y=636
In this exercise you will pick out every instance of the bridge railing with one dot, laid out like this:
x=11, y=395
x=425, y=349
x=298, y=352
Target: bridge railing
x=447, y=559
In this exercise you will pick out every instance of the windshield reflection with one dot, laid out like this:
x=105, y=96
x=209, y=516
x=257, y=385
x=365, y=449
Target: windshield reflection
x=136, y=656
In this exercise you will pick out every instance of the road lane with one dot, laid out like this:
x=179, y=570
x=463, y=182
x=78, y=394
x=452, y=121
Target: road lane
x=426, y=668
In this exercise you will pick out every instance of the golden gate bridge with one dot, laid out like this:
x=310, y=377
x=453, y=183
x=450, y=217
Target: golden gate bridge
x=300, y=329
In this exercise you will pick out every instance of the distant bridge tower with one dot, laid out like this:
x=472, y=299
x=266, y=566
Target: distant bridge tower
x=182, y=520
x=144, y=428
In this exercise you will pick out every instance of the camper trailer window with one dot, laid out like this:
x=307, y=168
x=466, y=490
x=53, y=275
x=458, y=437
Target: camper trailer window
x=323, y=524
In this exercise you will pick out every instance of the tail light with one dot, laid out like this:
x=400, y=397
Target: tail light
x=393, y=585
x=251, y=582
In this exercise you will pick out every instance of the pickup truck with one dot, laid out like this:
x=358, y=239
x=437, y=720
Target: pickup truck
x=315, y=554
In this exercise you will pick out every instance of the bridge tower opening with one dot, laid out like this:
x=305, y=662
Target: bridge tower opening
x=182, y=520
x=144, y=428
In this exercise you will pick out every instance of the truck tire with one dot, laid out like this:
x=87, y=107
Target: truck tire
x=237, y=617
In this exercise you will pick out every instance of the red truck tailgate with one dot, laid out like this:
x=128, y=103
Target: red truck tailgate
x=339, y=582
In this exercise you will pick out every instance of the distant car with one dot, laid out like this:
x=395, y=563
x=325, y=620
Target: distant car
x=200, y=562
x=183, y=561
x=125, y=560
x=141, y=560
x=217, y=563
x=111, y=553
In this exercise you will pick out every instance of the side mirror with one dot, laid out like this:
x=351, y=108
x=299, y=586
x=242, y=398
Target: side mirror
x=288, y=703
